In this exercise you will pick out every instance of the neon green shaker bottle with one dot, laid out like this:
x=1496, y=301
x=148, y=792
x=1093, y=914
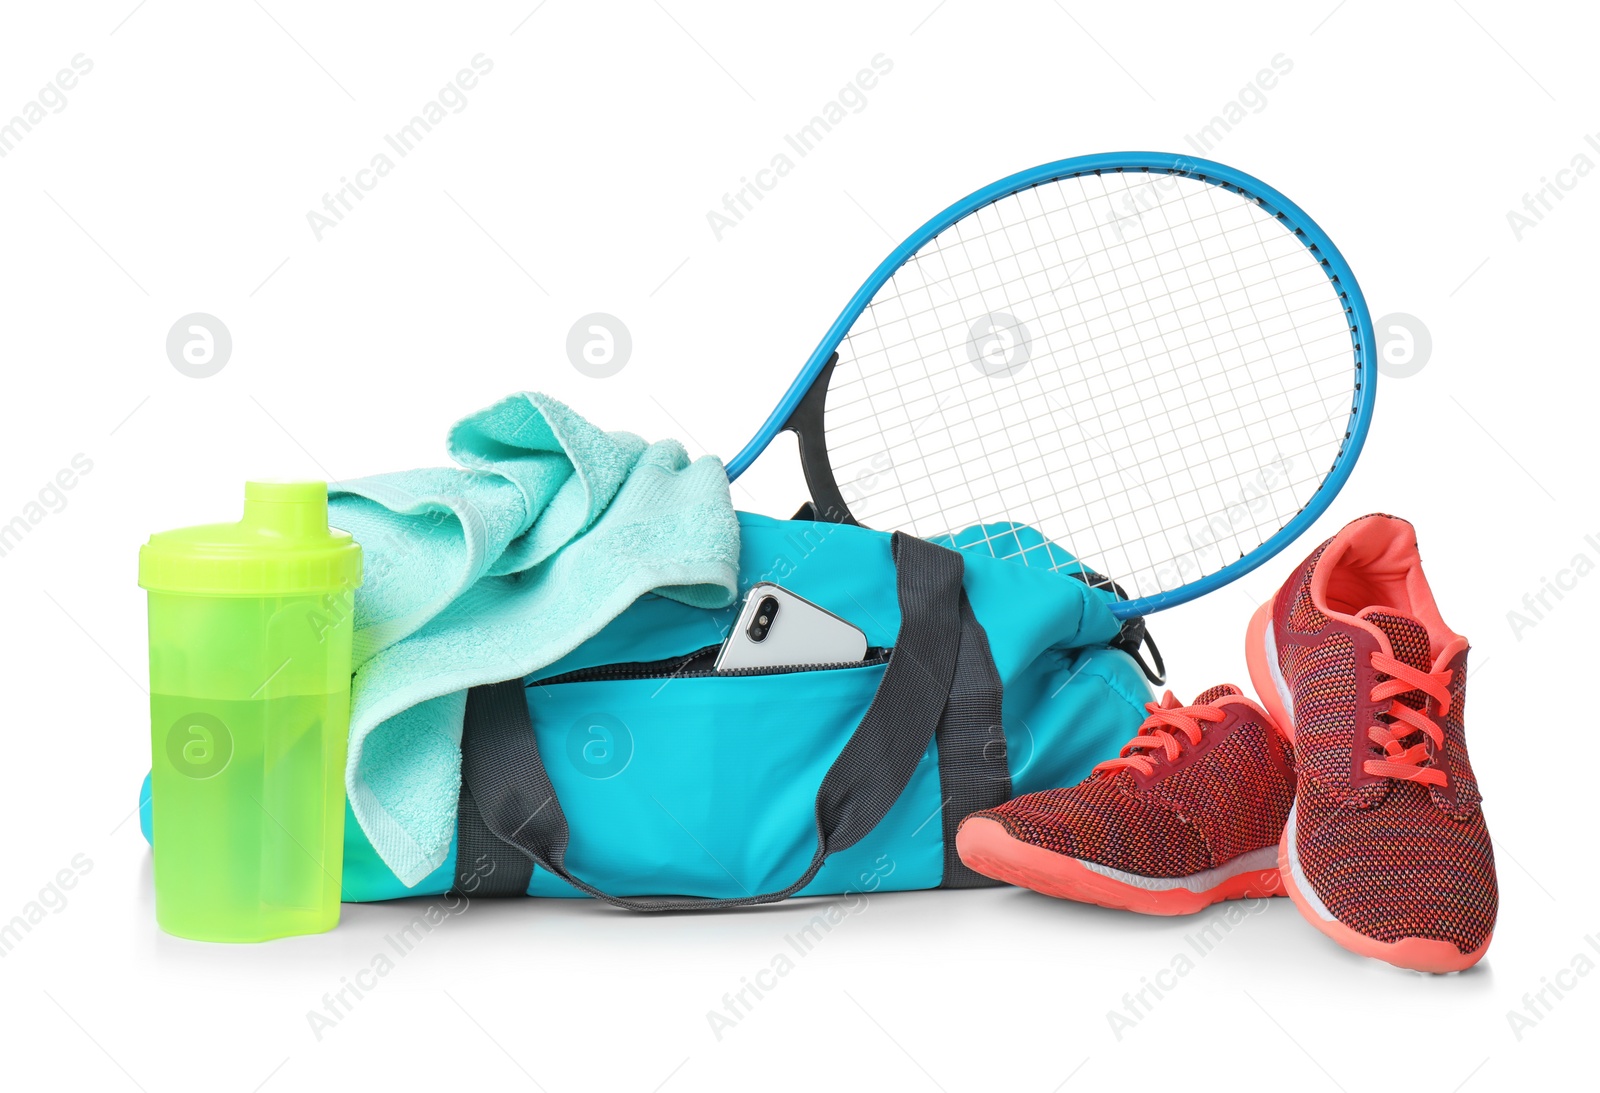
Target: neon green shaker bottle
x=250, y=628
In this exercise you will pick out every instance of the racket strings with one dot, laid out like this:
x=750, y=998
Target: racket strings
x=1030, y=421
x=1341, y=353
x=1341, y=334
x=1168, y=420
x=920, y=257
x=1094, y=464
x=1111, y=392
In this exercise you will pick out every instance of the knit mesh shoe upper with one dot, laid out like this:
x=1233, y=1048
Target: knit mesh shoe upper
x=1388, y=832
x=1169, y=807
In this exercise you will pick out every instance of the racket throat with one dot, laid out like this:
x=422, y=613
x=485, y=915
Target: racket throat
x=827, y=504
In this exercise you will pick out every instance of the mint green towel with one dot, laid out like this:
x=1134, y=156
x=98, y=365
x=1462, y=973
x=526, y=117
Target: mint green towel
x=490, y=572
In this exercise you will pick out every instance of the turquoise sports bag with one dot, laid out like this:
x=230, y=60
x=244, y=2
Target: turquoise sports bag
x=632, y=771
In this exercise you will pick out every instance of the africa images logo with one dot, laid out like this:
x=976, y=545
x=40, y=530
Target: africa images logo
x=851, y=99
x=452, y=98
x=199, y=746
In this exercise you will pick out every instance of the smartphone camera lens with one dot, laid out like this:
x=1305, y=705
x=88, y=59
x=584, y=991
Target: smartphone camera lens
x=762, y=623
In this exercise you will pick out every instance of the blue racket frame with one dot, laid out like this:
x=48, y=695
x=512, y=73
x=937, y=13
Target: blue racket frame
x=1315, y=240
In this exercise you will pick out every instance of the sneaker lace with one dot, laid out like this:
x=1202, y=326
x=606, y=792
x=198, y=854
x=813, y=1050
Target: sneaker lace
x=1155, y=735
x=1398, y=760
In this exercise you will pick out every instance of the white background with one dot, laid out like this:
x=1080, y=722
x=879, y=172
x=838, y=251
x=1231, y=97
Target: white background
x=177, y=179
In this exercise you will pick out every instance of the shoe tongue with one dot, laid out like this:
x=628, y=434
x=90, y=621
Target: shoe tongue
x=1408, y=638
x=1222, y=690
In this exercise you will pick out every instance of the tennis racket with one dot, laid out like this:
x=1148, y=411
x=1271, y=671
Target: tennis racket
x=1148, y=371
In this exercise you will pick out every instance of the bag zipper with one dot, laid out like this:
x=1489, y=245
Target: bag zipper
x=682, y=668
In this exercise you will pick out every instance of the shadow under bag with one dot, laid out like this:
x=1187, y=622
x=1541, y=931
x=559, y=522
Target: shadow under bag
x=634, y=772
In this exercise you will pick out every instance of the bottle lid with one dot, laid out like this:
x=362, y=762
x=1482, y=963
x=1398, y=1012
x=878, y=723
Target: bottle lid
x=282, y=546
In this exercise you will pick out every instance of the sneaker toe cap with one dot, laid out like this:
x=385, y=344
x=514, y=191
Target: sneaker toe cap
x=1097, y=824
x=1393, y=878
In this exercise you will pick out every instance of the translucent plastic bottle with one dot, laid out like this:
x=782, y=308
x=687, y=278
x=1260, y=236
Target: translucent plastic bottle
x=250, y=629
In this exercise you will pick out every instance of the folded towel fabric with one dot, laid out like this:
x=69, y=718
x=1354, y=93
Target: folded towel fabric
x=548, y=530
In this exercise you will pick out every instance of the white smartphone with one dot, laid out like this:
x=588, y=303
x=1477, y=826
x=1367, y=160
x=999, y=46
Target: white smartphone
x=778, y=629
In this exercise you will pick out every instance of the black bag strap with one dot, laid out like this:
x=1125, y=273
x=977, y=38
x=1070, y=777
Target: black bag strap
x=974, y=772
x=513, y=800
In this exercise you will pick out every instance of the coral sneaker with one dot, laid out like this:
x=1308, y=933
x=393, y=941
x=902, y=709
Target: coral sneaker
x=1386, y=850
x=1188, y=815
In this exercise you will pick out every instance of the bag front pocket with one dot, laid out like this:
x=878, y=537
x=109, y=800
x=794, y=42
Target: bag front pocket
x=677, y=778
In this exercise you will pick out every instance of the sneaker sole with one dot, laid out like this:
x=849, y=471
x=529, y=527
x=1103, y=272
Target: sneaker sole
x=987, y=847
x=1418, y=954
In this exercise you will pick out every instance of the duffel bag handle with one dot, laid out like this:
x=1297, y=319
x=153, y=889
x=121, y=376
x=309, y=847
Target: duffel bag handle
x=508, y=800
